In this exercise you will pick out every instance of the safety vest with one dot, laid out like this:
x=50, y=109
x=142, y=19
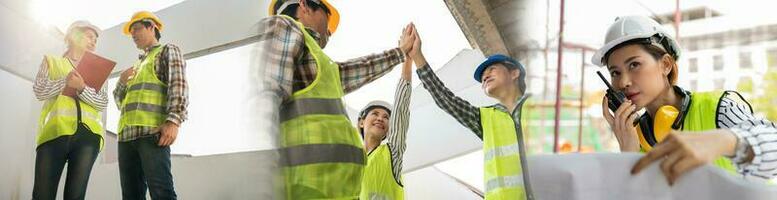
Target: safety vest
x=323, y=155
x=702, y=116
x=379, y=182
x=59, y=116
x=504, y=156
x=146, y=98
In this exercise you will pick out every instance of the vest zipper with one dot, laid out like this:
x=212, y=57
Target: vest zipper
x=522, y=153
x=78, y=110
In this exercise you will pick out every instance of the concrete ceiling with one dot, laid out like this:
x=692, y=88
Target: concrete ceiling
x=25, y=42
x=499, y=26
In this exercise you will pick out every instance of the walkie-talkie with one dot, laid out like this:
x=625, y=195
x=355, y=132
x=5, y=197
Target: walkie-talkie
x=615, y=98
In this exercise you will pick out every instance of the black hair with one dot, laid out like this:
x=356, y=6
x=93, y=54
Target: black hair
x=656, y=52
x=363, y=115
x=521, y=77
x=291, y=10
x=147, y=23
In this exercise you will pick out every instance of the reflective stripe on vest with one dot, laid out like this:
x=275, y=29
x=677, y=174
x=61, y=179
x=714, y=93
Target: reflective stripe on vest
x=144, y=107
x=323, y=156
x=702, y=116
x=148, y=86
x=59, y=116
x=379, y=181
x=300, y=107
x=503, y=165
x=145, y=101
x=322, y=153
x=60, y=112
x=508, y=150
x=504, y=182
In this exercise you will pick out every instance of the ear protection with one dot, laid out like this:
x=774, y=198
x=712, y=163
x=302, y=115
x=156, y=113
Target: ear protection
x=651, y=131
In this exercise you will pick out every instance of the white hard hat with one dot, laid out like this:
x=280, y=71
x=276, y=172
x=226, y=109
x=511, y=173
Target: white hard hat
x=82, y=24
x=636, y=27
x=374, y=104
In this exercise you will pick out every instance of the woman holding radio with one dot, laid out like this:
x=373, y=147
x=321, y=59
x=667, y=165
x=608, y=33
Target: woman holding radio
x=710, y=127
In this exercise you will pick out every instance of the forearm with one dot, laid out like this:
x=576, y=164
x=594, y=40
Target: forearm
x=358, y=72
x=464, y=112
x=399, y=122
x=756, y=152
x=177, y=86
x=96, y=99
x=118, y=94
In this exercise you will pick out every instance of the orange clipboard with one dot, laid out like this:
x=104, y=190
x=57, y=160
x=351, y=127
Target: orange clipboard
x=94, y=69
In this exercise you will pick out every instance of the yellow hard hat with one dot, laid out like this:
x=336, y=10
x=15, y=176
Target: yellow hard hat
x=334, y=16
x=142, y=15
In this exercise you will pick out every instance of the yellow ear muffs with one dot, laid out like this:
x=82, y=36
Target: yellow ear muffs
x=662, y=124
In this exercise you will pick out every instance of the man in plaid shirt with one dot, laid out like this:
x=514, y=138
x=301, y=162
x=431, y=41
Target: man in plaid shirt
x=293, y=68
x=153, y=97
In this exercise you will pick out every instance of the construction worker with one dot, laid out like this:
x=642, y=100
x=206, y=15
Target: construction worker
x=499, y=126
x=152, y=96
x=384, y=140
x=710, y=127
x=322, y=156
x=70, y=128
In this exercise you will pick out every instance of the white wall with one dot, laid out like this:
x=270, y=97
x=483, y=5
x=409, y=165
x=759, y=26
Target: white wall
x=18, y=124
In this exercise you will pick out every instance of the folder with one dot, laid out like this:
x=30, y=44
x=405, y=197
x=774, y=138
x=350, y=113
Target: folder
x=94, y=69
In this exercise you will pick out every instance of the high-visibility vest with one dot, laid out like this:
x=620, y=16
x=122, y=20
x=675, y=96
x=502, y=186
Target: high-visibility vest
x=379, y=182
x=59, y=116
x=504, y=156
x=146, y=98
x=322, y=153
x=702, y=115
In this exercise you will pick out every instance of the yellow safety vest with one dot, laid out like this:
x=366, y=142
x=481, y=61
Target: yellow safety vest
x=59, y=116
x=323, y=155
x=702, y=115
x=379, y=182
x=144, y=104
x=504, y=156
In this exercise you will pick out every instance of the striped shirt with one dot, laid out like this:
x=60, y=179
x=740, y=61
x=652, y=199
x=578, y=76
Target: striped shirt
x=170, y=69
x=398, y=124
x=45, y=88
x=756, y=134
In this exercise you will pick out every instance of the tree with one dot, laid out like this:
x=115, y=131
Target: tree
x=767, y=103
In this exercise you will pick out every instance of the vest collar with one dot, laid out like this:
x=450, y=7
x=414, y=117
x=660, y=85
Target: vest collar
x=520, y=101
x=148, y=50
x=316, y=36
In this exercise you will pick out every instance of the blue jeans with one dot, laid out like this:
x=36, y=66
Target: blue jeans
x=145, y=165
x=79, y=151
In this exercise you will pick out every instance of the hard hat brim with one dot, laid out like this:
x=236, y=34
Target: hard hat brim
x=83, y=24
x=147, y=15
x=334, y=17
x=490, y=61
x=599, y=55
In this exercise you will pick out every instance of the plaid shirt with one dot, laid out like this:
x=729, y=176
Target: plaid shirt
x=289, y=67
x=464, y=112
x=170, y=68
